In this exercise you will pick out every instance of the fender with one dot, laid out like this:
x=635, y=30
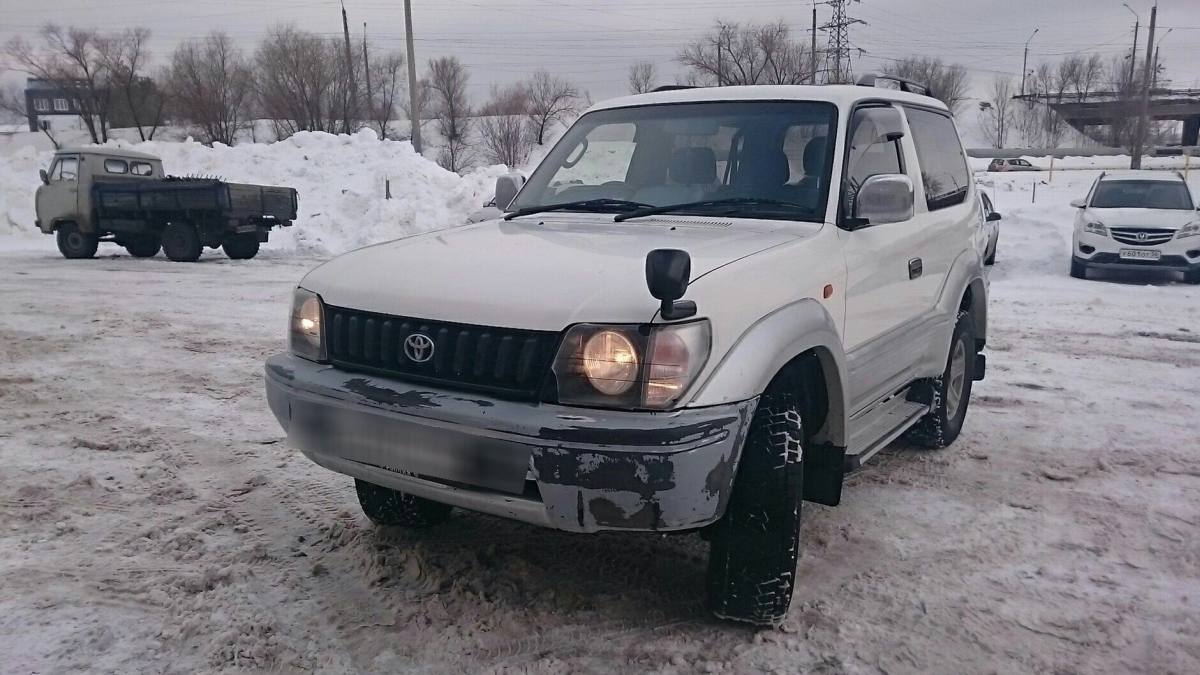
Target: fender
x=767, y=346
x=965, y=276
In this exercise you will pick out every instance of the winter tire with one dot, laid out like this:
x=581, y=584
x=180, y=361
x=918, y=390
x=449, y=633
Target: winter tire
x=146, y=246
x=1078, y=269
x=241, y=247
x=181, y=242
x=385, y=506
x=950, y=394
x=752, y=559
x=74, y=243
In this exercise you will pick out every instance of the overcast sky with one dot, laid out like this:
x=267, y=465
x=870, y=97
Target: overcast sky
x=593, y=43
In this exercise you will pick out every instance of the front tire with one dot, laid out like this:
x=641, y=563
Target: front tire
x=75, y=244
x=755, y=545
x=1078, y=269
x=385, y=506
x=241, y=246
x=181, y=242
x=950, y=394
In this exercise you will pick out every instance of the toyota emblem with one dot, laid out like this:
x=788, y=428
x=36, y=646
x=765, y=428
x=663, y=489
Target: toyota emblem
x=418, y=347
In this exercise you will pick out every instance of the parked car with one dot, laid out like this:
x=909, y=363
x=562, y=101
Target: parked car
x=1003, y=164
x=704, y=306
x=99, y=194
x=1137, y=220
x=991, y=226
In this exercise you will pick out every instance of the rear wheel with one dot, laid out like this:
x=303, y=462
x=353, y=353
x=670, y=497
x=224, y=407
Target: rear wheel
x=241, y=246
x=1192, y=277
x=144, y=246
x=1078, y=269
x=752, y=561
x=181, y=242
x=385, y=506
x=74, y=243
x=949, y=394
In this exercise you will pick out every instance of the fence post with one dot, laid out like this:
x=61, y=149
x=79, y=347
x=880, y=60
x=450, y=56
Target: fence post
x=1034, y=191
x=387, y=188
x=1051, y=178
x=1187, y=162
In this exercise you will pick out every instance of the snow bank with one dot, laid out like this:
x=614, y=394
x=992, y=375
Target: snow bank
x=341, y=180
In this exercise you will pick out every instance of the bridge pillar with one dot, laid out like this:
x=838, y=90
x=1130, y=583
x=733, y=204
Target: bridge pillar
x=1191, y=131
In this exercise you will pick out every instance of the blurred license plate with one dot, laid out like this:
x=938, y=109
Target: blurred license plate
x=1135, y=254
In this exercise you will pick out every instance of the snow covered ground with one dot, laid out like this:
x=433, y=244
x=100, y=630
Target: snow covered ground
x=152, y=519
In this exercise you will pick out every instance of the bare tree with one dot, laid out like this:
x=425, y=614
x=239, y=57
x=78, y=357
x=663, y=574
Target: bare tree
x=138, y=99
x=448, y=82
x=424, y=104
x=733, y=54
x=501, y=126
x=997, y=113
x=947, y=82
x=551, y=101
x=212, y=84
x=385, y=77
x=642, y=76
x=72, y=61
x=297, y=77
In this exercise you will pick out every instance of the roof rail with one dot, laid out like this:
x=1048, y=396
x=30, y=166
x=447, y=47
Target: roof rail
x=674, y=87
x=894, y=82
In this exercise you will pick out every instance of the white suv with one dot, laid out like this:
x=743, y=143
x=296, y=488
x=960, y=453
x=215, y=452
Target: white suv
x=703, y=307
x=1137, y=220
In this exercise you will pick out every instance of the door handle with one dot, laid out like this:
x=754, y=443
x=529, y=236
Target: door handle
x=915, y=268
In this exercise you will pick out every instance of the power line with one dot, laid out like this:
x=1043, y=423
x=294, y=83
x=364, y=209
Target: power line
x=838, y=30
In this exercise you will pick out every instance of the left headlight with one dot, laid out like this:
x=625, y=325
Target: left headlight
x=306, y=332
x=1096, y=227
x=630, y=366
x=1192, y=229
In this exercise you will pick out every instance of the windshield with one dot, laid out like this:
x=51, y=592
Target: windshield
x=1142, y=194
x=662, y=155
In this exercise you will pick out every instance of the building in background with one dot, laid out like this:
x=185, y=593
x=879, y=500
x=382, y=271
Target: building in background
x=51, y=107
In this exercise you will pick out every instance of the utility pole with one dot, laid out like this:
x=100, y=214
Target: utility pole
x=349, y=106
x=414, y=113
x=367, y=76
x=839, y=40
x=812, y=79
x=1025, y=61
x=1137, y=27
x=1139, y=144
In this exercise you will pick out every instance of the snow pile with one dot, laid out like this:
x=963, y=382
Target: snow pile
x=342, y=181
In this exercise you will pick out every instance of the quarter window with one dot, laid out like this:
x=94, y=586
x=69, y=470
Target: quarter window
x=116, y=166
x=944, y=170
x=140, y=168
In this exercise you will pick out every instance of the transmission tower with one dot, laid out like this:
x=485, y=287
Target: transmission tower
x=838, y=30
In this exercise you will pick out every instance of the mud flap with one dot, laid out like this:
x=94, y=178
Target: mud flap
x=824, y=467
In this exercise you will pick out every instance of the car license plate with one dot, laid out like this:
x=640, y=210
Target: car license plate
x=1139, y=254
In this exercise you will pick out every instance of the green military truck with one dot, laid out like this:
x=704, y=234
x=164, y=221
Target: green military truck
x=90, y=195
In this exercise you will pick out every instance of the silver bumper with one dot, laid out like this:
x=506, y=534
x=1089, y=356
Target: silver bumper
x=573, y=469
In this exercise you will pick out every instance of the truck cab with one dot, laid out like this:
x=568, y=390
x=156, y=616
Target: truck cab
x=65, y=195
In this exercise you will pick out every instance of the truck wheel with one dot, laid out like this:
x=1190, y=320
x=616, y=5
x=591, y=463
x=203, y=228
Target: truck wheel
x=1078, y=269
x=74, y=243
x=752, y=560
x=385, y=506
x=241, y=247
x=949, y=394
x=181, y=242
x=145, y=246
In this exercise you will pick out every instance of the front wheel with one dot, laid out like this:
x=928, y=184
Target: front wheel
x=752, y=561
x=241, y=246
x=949, y=394
x=1078, y=269
x=385, y=506
x=74, y=243
x=181, y=242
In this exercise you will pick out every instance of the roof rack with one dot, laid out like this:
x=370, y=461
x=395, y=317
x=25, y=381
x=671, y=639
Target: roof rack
x=674, y=87
x=895, y=83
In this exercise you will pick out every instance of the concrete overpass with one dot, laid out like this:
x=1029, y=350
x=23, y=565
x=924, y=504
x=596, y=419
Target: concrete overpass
x=1101, y=109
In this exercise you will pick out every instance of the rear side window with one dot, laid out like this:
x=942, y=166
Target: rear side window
x=943, y=166
x=116, y=166
x=141, y=168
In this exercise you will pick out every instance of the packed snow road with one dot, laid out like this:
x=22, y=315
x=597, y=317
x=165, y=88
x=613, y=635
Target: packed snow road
x=152, y=518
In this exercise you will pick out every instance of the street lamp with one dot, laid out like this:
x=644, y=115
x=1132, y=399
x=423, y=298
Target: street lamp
x=1025, y=61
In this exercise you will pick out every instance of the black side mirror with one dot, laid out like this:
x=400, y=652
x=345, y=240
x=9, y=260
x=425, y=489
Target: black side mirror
x=45, y=176
x=993, y=217
x=668, y=271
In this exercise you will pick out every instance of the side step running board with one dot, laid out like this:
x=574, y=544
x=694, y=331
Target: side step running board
x=881, y=425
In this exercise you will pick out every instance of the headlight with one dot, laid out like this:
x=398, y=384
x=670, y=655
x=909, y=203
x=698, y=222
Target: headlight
x=630, y=366
x=306, y=334
x=1096, y=228
x=1190, y=230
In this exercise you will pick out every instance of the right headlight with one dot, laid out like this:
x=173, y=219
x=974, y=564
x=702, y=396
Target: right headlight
x=630, y=366
x=1096, y=227
x=1192, y=229
x=306, y=330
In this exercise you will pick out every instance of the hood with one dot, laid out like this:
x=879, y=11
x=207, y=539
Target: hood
x=1170, y=219
x=535, y=273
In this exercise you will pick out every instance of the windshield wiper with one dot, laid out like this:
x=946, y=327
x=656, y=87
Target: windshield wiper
x=601, y=205
x=732, y=202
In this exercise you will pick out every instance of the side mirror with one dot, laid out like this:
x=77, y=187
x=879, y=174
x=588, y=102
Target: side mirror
x=1079, y=203
x=45, y=176
x=883, y=198
x=668, y=271
x=507, y=187
x=993, y=217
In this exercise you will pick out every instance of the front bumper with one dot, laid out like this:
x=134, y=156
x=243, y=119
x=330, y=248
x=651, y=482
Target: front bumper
x=573, y=469
x=1104, y=253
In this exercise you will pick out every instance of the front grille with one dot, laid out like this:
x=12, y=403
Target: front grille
x=1142, y=236
x=508, y=362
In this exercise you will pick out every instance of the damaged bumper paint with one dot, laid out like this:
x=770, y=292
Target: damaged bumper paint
x=573, y=469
